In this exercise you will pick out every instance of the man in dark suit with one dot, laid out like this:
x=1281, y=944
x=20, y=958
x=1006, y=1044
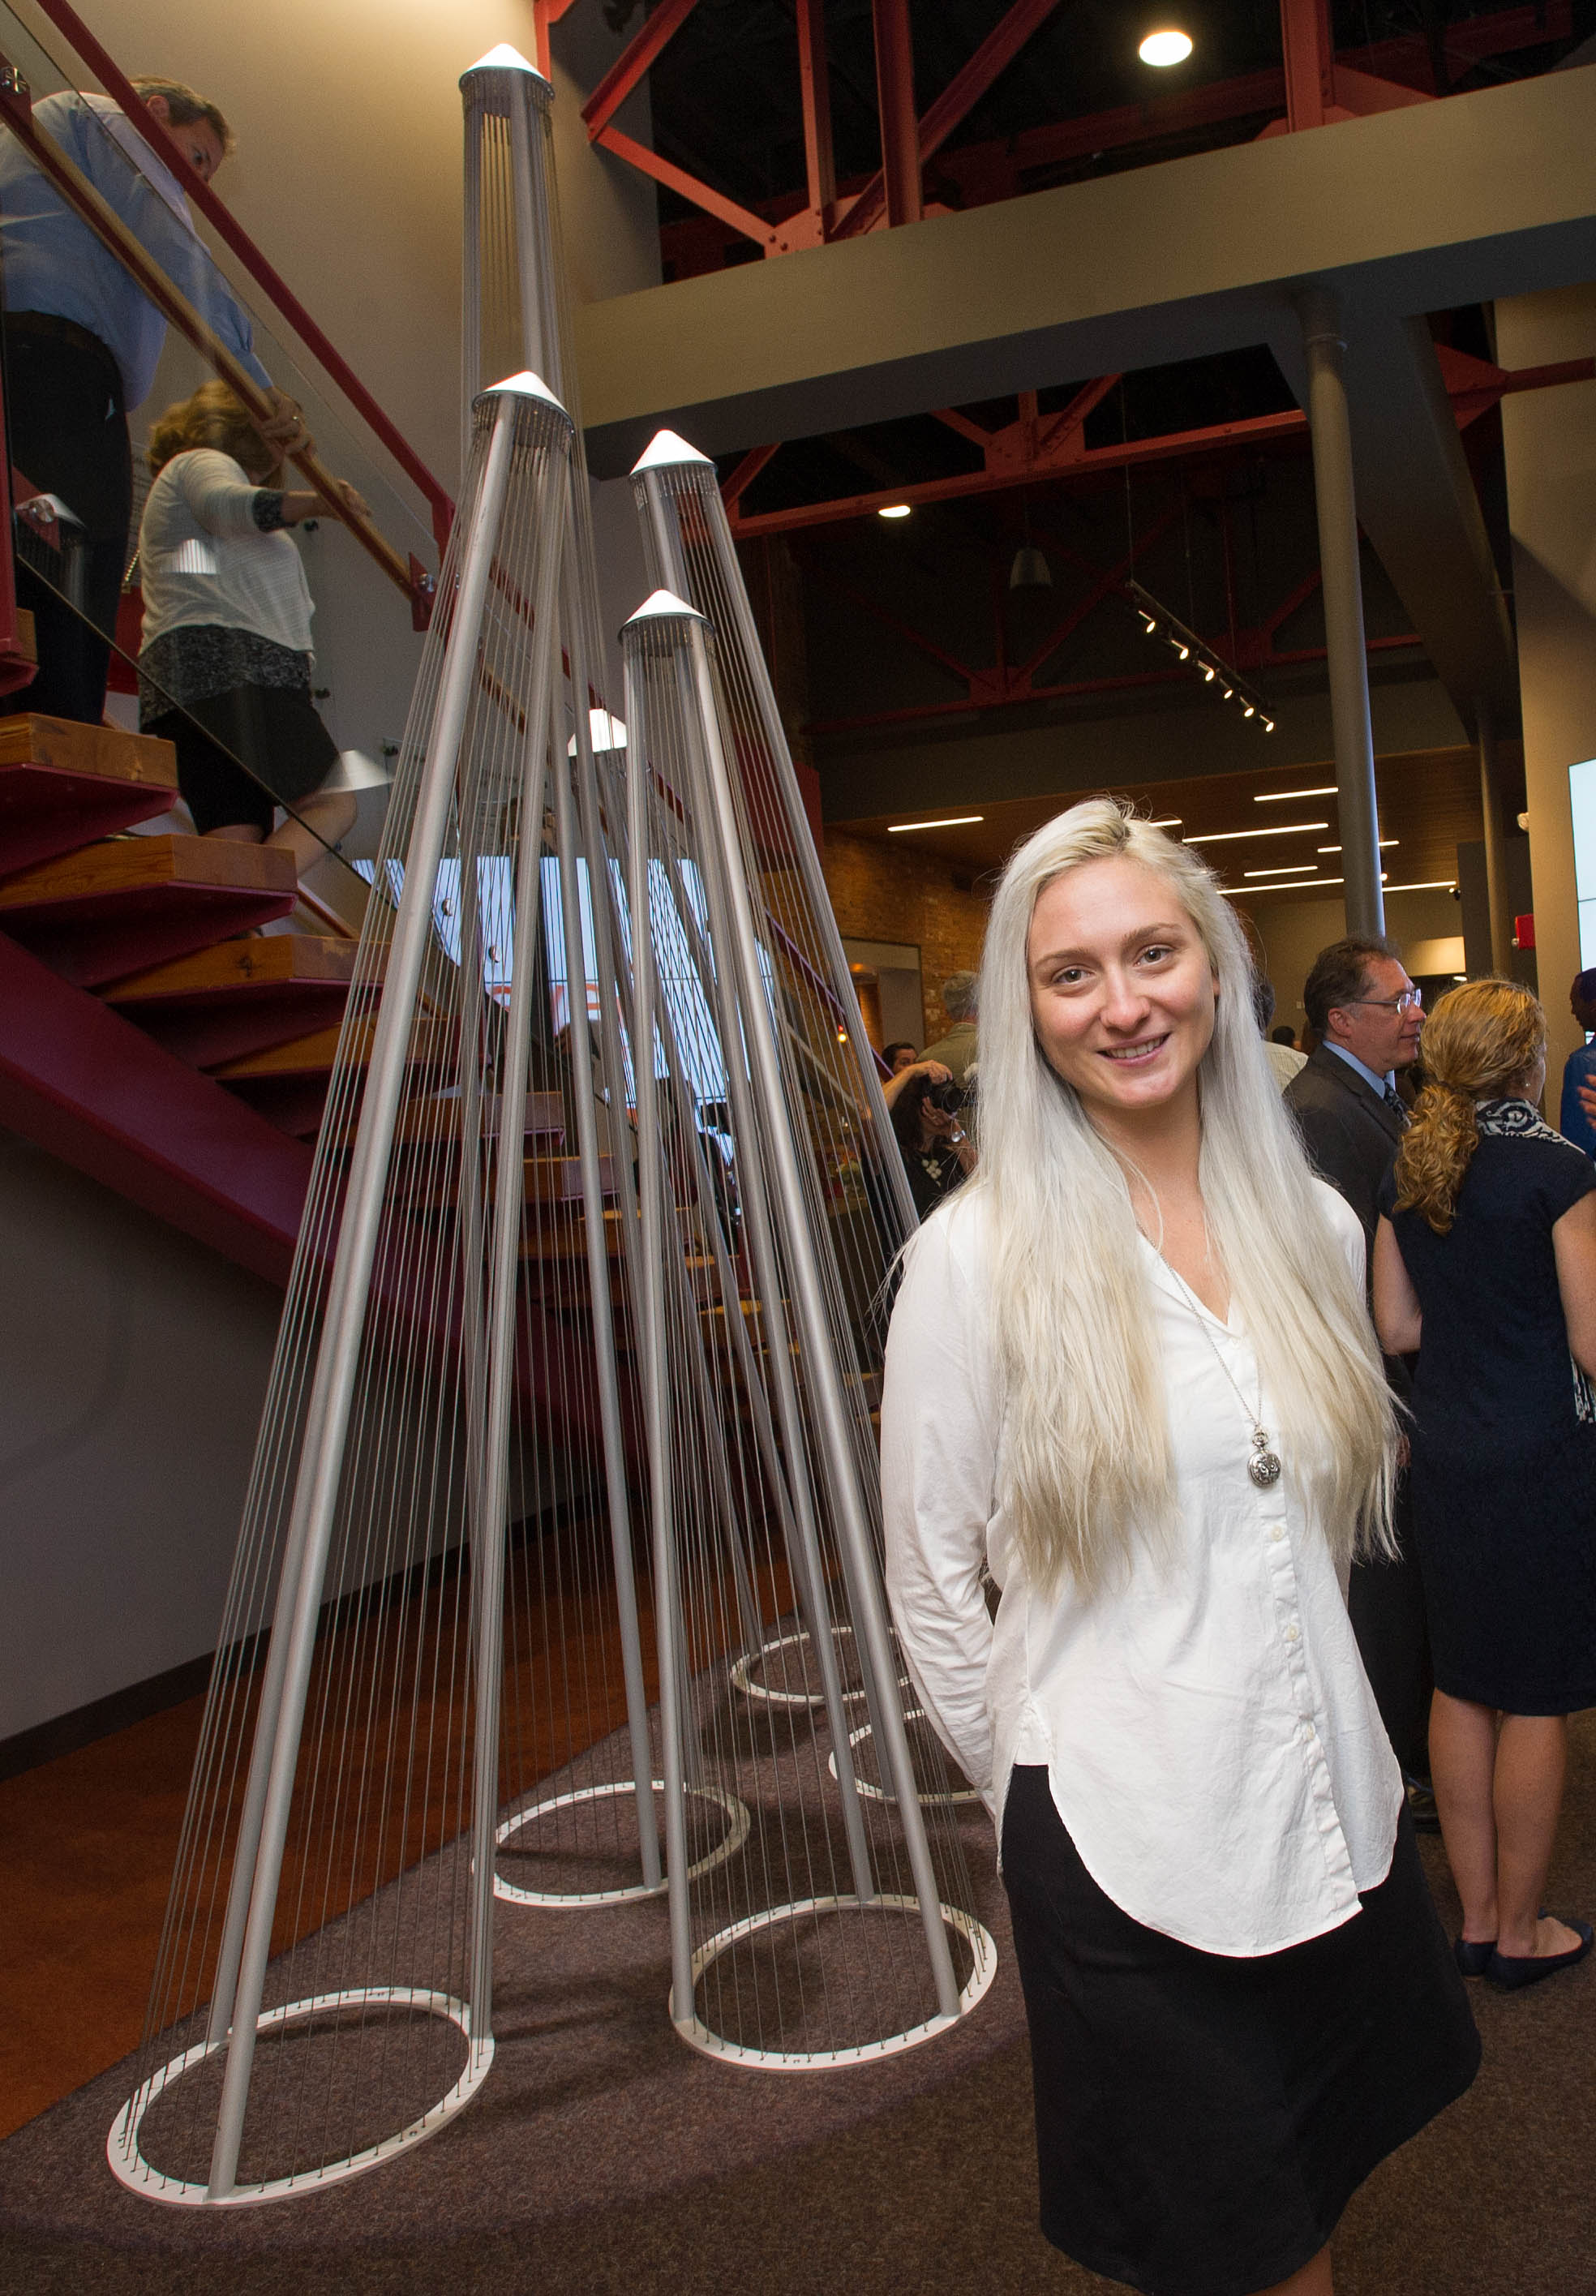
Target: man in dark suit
x=1368, y=1015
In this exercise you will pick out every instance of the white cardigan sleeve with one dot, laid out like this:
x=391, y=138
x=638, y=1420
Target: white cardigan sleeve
x=219, y=495
x=940, y=1433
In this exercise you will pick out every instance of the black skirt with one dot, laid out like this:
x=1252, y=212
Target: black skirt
x=1202, y=2121
x=242, y=753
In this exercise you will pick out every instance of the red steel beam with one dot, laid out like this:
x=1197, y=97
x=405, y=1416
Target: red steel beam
x=733, y=488
x=1069, y=459
x=633, y=63
x=677, y=179
x=958, y=99
x=895, y=98
x=815, y=87
x=1310, y=58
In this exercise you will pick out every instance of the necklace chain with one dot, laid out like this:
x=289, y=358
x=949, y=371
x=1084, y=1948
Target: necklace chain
x=1263, y=1466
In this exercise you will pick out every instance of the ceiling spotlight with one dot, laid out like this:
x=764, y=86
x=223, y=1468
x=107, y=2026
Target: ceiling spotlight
x=1208, y=678
x=1030, y=570
x=1149, y=621
x=1184, y=653
x=895, y=510
x=1228, y=692
x=1250, y=712
x=1164, y=48
x=1269, y=725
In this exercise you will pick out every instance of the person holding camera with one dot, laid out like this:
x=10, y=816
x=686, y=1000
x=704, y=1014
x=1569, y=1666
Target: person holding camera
x=925, y=1105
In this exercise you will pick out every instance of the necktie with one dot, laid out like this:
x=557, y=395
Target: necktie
x=1393, y=1102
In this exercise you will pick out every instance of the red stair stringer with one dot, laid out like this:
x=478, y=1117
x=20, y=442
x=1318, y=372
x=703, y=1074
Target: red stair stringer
x=77, y=1079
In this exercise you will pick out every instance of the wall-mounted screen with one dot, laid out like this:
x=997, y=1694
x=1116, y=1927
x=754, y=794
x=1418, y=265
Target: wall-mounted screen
x=1582, y=797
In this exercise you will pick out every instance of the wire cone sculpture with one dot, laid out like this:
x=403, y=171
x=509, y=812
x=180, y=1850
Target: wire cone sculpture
x=327, y=1947
x=561, y=1548
x=844, y=1926
x=589, y=1836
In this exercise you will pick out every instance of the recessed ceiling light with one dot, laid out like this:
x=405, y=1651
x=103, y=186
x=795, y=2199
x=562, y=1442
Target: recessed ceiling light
x=895, y=510
x=1280, y=797
x=1174, y=821
x=1288, y=869
x=1429, y=885
x=1165, y=48
x=1336, y=848
x=954, y=821
x=1227, y=836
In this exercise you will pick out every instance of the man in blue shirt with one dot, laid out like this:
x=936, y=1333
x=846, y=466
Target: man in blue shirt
x=1575, y=1120
x=82, y=345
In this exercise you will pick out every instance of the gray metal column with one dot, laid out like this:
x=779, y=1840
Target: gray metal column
x=1326, y=349
x=1490, y=806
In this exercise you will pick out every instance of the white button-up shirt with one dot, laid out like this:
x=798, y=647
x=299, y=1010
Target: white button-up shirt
x=1209, y=1734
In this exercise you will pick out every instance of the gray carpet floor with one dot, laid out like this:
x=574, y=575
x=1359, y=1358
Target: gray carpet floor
x=602, y=2155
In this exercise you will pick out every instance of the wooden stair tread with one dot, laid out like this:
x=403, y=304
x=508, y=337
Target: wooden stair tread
x=433, y=1123
x=62, y=786
x=314, y=1054
x=123, y=866
x=232, y=970
x=103, y=752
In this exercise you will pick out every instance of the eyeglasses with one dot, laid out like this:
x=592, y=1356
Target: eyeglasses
x=1411, y=1000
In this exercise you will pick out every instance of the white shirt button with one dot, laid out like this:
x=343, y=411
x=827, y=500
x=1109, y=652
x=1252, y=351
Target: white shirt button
x=1277, y=1533
x=1293, y=1634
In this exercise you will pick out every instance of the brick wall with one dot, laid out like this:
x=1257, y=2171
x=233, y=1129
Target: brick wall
x=879, y=892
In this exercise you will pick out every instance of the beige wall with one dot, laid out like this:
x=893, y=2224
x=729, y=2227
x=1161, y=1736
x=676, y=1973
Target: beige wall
x=1550, y=442
x=132, y=1364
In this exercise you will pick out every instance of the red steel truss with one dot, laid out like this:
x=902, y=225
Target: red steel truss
x=1314, y=87
x=1001, y=684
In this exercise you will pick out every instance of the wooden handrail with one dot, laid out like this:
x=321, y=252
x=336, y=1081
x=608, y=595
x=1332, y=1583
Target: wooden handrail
x=16, y=106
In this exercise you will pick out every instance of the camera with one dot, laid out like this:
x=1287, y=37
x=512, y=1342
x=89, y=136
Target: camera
x=949, y=1097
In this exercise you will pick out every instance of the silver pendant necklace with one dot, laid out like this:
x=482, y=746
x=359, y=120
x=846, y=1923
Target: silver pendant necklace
x=1263, y=1466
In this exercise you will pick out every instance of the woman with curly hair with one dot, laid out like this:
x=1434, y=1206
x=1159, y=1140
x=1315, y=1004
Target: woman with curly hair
x=225, y=668
x=1484, y=1266
x=1129, y=1374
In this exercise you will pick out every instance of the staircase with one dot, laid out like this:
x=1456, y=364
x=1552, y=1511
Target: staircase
x=150, y=1039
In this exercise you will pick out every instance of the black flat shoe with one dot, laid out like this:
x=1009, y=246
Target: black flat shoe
x=1512, y=1971
x=1473, y=1956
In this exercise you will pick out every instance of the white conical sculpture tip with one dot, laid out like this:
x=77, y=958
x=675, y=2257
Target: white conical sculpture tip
x=504, y=58
x=663, y=606
x=665, y=448
x=527, y=385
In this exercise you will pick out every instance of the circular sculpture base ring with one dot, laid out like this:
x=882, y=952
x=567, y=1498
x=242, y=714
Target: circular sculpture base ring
x=872, y=1792
x=984, y=1969
x=130, y=2167
x=742, y=1673
x=737, y=1833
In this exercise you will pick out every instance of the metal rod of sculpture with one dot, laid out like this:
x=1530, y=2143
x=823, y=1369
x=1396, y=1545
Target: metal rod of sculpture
x=504, y=95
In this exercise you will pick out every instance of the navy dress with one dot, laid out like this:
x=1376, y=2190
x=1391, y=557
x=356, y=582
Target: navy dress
x=1504, y=1429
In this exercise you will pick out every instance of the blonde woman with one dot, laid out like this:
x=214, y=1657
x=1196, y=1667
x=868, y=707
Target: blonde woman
x=1130, y=1369
x=1484, y=1265
x=224, y=664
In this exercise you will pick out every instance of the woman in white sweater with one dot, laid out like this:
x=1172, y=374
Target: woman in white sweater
x=1130, y=1373
x=224, y=665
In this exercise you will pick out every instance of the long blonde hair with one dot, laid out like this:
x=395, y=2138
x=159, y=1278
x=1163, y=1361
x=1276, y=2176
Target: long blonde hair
x=1481, y=1041
x=1088, y=1446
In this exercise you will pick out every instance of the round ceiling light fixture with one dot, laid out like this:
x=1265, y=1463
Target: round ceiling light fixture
x=895, y=510
x=1166, y=48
